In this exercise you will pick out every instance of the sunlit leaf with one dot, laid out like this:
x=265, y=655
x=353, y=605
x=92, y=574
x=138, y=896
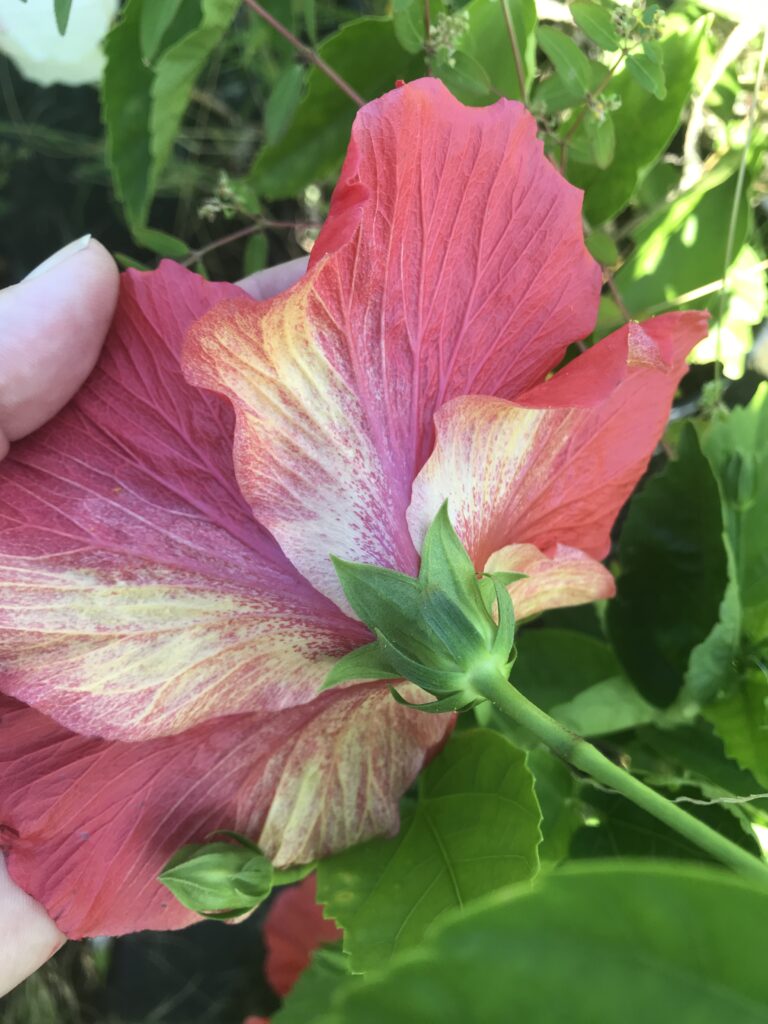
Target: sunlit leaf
x=648, y=73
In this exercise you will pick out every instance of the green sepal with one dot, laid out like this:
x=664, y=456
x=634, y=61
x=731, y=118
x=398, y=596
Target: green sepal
x=446, y=566
x=488, y=590
x=456, y=701
x=384, y=599
x=363, y=663
x=435, y=680
x=448, y=623
x=505, y=633
x=287, y=876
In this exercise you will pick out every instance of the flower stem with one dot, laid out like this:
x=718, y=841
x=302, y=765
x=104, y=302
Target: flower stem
x=518, y=57
x=306, y=52
x=582, y=755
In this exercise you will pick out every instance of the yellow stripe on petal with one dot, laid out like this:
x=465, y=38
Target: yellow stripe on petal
x=138, y=596
x=304, y=453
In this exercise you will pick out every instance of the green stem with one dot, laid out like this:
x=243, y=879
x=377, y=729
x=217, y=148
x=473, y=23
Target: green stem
x=582, y=755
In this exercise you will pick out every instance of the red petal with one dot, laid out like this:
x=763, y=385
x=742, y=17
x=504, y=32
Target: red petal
x=138, y=596
x=293, y=929
x=452, y=263
x=556, y=466
x=564, y=578
x=88, y=824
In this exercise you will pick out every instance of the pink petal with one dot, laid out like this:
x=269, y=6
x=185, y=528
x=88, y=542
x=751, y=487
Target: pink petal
x=559, y=580
x=452, y=263
x=293, y=929
x=138, y=597
x=556, y=466
x=87, y=824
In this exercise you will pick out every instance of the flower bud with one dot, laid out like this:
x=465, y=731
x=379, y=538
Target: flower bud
x=219, y=879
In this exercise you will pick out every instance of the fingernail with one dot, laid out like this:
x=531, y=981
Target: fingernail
x=58, y=257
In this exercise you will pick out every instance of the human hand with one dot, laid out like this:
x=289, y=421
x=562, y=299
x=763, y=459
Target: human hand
x=53, y=325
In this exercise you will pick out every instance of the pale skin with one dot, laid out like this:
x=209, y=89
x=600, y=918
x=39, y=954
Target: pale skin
x=53, y=326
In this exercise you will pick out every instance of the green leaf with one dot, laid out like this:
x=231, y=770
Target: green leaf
x=62, y=9
x=156, y=18
x=571, y=64
x=309, y=11
x=255, y=254
x=740, y=719
x=644, y=125
x=555, y=787
x=648, y=74
x=624, y=830
x=555, y=665
x=696, y=754
x=408, y=21
x=281, y=106
x=126, y=112
x=590, y=944
x=219, y=879
x=673, y=573
x=611, y=705
x=553, y=95
x=143, y=106
x=487, y=44
x=467, y=79
x=473, y=830
x=596, y=23
x=736, y=445
x=366, y=53
x=602, y=139
x=653, y=51
x=313, y=992
x=161, y=243
x=176, y=72
x=603, y=248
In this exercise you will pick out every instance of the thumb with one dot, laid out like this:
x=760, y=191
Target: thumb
x=52, y=327
x=27, y=935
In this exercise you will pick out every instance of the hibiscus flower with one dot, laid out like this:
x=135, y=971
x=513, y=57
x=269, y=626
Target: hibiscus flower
x=168, y=607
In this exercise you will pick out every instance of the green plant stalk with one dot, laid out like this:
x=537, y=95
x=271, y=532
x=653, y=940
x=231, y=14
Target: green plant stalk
x=493, y=685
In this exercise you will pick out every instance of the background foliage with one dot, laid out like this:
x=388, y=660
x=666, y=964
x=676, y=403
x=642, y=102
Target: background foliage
x=215, y=140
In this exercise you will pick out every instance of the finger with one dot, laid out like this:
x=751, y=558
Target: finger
x=267, y=283
x=28, y=937
x=53, y=326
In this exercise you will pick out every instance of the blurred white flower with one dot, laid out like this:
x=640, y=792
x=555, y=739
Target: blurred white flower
x=30, y=37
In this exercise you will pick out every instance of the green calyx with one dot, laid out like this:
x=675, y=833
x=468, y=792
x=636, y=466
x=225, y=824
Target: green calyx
x=442, y=630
